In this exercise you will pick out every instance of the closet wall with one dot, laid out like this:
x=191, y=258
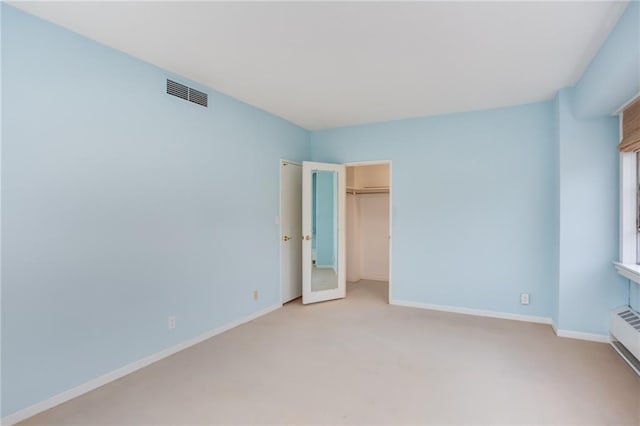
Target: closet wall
x=368, y=223
x=353, y=238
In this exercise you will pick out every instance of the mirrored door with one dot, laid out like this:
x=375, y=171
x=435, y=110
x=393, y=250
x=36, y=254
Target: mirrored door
x=323, y=219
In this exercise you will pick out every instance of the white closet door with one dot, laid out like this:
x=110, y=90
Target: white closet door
x=291, y=226
x=323, y=219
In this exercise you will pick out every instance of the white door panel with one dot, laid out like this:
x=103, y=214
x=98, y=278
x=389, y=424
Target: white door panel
x=291, y=230
x=323, y=224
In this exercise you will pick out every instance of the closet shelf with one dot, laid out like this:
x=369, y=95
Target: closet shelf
x=368, y=190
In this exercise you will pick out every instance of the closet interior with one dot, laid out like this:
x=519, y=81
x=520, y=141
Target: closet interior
x=367, y=222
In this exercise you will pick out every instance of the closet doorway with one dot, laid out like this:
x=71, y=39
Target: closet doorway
x=368, y=225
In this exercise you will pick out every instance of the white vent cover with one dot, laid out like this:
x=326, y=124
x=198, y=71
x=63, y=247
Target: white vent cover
x=187, y=93
x=625, y=329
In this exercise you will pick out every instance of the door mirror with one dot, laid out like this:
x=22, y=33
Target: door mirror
x=324, y=238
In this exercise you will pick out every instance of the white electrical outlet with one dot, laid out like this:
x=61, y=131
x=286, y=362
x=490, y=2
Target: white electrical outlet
x=172, y=323
x=524, y=298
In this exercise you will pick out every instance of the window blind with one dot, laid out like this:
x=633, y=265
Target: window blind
x=631, y=128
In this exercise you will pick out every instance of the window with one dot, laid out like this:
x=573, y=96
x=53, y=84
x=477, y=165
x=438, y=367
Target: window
x=637, y=205
x=629, y=264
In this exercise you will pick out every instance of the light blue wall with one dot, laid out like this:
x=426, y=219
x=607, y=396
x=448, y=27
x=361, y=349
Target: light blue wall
x=473, y=204
x=1, y=136
x=634, y=297
x=611, y=79
x=325, y=196
x=555, y=230
x=122, y=205
x=613, y=76
x=589, y=218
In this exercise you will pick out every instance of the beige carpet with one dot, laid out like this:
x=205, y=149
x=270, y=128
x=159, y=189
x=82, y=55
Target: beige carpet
x=361, y=361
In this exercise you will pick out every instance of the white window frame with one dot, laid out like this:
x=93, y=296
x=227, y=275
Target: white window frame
x=628, y=264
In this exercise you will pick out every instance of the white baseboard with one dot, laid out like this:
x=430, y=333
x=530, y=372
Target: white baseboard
x=570, y=334
x=384, y=278
x=602, y=338
x=503, y=315
x=476, y=312
x=65, y=396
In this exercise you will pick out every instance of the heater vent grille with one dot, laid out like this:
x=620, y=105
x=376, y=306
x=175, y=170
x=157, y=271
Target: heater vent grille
x=187, y=93
x=631, y=318
x=625, y=335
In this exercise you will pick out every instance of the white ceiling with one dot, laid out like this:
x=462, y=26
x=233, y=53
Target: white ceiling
x=334, y=64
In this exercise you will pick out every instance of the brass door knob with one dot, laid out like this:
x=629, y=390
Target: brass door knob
x=307, y=237
x=286, y=238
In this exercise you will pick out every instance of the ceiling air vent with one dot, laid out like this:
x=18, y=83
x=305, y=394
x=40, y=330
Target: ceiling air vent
x=198, y=97
x=187, y=93
x=177, y=89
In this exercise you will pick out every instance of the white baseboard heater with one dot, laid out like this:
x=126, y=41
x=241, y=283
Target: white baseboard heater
x=625, y=335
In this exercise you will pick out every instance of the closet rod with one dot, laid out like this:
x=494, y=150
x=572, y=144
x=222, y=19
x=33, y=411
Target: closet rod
x=353, y=192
